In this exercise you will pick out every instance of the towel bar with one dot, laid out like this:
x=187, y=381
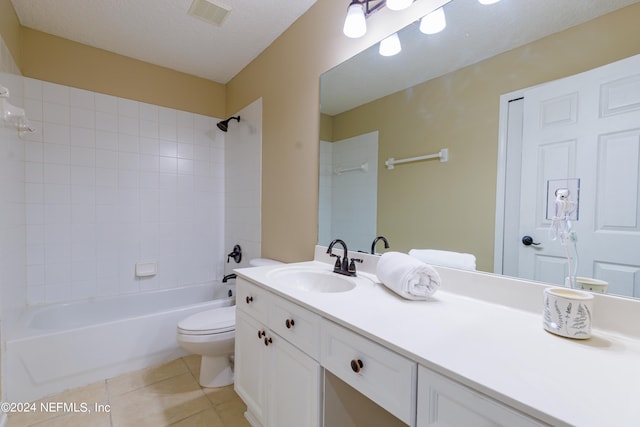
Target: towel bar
x=443, y=155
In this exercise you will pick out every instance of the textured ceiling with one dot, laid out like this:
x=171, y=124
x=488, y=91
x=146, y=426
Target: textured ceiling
x=162, y=33
x=474, y=32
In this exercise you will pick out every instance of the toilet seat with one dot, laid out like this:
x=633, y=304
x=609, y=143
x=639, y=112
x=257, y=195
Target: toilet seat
x=210, y=322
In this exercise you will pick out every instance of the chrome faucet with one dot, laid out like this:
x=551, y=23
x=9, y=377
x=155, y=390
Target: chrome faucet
x=343, y=266
x=373, y=245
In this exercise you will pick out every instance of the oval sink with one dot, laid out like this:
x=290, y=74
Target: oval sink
x=312, y=280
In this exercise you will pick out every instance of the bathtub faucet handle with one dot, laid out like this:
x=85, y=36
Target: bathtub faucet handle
x=236, y=254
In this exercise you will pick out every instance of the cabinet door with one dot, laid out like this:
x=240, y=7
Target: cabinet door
x=294, y=391
x=445, y=403
x=250, y=366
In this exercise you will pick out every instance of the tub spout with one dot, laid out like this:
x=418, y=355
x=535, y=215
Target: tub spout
x=227, y=277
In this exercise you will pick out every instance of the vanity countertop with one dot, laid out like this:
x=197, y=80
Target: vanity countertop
x=496, y=348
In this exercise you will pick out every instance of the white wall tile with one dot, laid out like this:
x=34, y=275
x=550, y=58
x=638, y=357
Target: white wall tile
x=128, y=125
x=106, y=103
x=55, y=194
x=106, y=121
x=82, y=117
x=128, y=143
x=128, y=108
x=82, y=156
x=82, y=137
x=55, y=113
x=148, y=129
x=83, y=175
x=57, y=173
x=57, y=153
x=32, y=88
x=33, y=107
x=148, y=112
x=168, y=165
x=128, y=161
x=185, y=166
x=33, y=151
x=107, y=177
x=185, y=134
x=106, y=140
x=106, y=159
x=149, y=163
x=168, y=148
x=54, y=133
x=81, y=98
x=55, y=93
x=33, y=172
x=109, y=180
x=185, y=151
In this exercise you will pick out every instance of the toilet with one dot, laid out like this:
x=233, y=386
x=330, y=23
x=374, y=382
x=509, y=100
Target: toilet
x=211, y=334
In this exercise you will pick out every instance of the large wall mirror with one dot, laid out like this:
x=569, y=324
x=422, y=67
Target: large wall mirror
x=444, y=91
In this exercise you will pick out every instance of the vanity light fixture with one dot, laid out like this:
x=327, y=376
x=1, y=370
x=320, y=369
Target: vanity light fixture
x=355, y=24
x=488, y=1
x=433, y=22
x=390, y=46
x=399, y=4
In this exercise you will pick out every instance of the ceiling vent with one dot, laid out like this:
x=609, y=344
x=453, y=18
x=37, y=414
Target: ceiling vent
x=209, y=11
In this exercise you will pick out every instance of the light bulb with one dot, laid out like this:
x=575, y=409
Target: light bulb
x=398, y=4
x=434, y=22
x=488, y=1
x=355, y=24
x=390, y=46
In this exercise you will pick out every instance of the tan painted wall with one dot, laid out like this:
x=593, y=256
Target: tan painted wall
x=452, y=205
x=57, y=60
x=286, y=76
x=10, y=28
x=62, y=61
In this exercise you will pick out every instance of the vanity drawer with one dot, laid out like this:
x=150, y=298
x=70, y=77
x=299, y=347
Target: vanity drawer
x=252, y=299
x=382, y=375
x=444, y=402
x=297, y=325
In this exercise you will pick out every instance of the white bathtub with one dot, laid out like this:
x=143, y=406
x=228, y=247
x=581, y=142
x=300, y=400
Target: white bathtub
x=49, y=349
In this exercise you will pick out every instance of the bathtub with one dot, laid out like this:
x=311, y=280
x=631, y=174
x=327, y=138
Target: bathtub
x=52, y=348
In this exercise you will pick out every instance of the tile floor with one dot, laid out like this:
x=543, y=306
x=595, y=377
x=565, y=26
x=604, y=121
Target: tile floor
x=165, y=395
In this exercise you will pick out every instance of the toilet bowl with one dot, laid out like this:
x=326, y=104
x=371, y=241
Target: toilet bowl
x=211, y=334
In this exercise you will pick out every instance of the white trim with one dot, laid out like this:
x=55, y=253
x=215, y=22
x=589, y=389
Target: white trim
x=498, y=249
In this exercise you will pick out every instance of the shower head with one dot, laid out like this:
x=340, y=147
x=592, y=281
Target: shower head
x=224, y=125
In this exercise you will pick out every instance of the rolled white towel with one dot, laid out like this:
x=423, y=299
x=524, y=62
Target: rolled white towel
x=445, y=258
x=408, y=277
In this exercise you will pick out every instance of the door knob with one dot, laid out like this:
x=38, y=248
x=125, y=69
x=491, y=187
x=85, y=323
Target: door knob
x=528, y=241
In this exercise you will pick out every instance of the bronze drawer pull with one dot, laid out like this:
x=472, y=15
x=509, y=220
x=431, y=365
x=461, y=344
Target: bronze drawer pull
x=356, y=365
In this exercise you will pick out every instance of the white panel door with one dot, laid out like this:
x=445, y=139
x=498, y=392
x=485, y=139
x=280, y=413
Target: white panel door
x=586, y=126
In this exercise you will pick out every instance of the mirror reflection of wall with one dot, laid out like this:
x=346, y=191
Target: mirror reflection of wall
x=452, y=206
x=348, y=190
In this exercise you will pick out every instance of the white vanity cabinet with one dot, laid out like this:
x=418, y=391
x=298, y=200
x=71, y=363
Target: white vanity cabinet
x=446, y=403
x=385, y=377
x=275, y=373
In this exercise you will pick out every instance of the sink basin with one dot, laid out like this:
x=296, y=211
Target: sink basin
x=312, y=280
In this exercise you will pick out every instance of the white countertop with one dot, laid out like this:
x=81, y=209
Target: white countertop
x=497, y=348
